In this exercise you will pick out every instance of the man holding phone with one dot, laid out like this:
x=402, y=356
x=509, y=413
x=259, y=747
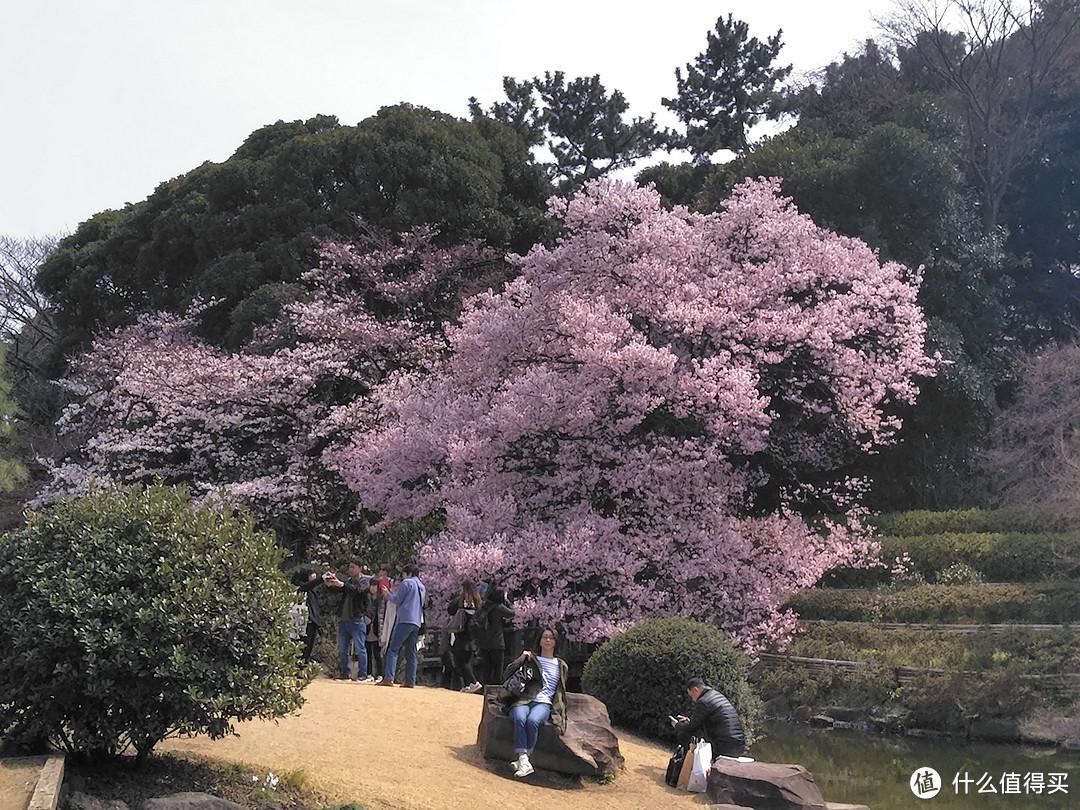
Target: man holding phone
x=713, y=719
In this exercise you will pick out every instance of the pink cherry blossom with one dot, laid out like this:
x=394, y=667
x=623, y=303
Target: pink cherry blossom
x=653, y=418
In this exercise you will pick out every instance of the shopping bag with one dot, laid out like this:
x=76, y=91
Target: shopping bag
x=684, y=771
x=671, y=778
x=699, y=771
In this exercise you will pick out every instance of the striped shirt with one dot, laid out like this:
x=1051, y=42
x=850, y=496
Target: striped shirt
x=549, y=668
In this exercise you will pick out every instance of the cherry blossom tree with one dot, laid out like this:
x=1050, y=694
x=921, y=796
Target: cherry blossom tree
x=655, y=416
x=156, y=402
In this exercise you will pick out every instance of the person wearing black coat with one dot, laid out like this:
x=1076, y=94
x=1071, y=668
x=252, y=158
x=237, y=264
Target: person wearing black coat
x=306, y=581
x=491, y=621
x=713, y=719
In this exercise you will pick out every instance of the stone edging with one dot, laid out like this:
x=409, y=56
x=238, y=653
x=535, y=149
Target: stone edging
x=47, y=790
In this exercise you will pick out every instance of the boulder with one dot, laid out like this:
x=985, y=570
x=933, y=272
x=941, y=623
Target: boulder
x=845, y=714
x=77, y=800
x=190, y=801
x=763, y=786
x=589, y=747
x=802, y=714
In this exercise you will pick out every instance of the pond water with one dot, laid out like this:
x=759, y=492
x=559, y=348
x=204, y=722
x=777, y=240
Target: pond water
x=876, y=770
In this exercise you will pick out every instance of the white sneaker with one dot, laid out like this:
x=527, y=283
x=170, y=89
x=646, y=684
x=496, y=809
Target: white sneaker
x=368, y=679
x=524, y=767
x=473, y=687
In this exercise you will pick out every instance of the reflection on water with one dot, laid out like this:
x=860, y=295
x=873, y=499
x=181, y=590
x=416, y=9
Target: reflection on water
x=875, y=770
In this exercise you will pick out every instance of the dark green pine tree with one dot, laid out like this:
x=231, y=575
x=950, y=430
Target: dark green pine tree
x=727, y=90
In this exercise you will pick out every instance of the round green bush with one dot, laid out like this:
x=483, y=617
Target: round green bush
x=641, y=674
x=131, y=615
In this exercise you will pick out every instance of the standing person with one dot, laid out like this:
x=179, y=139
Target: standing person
x=544, y=698
x=488, y=632
x=713, y=719
x=409, y=597
x=468, y=599
x=306, y=581
x=352, y=618
x=389, y=616
x=376, y=608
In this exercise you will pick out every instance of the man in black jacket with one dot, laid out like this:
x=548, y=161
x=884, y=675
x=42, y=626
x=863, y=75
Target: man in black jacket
x=352, y=618
x=713, y=718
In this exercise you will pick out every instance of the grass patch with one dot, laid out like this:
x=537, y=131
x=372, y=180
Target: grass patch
x=164, y=774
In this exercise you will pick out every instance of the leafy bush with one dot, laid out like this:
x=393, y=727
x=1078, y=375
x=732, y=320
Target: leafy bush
x=959, y=573
x=641, y=674
x=131, y=615
x=1045, y=603
x=1039, y=652
x=800, y=686
x=950, y=701
x=998, y=556
x=967, y=675
x=982, y=521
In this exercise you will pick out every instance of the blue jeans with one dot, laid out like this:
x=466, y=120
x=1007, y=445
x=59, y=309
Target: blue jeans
x=527, y=721
x=356, y=632
x=404, y=634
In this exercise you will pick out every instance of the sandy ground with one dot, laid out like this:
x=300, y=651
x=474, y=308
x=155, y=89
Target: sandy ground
x=18, y=776
x=415, y=749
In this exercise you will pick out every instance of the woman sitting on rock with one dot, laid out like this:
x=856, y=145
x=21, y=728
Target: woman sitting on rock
x=544, y=697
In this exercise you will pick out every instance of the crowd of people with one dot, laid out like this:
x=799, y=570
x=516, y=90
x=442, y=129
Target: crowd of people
x=380, y=618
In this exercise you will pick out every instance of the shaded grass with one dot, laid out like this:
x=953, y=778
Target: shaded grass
x=164, y=774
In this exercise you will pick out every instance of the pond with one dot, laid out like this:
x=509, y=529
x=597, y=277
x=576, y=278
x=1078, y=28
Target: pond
x=876, y=770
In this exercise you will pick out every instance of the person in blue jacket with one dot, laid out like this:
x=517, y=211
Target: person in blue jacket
x=409, y=597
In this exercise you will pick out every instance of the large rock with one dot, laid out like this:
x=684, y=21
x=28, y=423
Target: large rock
x=77, y=800
x=763, y=786
x=190, y=801
x=589, y=747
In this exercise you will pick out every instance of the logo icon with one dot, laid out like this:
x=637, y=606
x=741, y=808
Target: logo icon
x=925, y=783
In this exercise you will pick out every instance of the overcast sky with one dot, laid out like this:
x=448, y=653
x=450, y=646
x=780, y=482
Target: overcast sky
x=102, y=100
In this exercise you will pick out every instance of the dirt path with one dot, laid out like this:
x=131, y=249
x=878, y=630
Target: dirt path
x=415, y=749
x=18, y=776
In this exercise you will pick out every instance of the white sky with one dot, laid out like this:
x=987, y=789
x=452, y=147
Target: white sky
x=102, y=100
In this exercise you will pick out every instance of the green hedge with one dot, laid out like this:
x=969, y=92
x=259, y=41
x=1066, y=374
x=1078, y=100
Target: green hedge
x=915, y=523
x=999, y=557
x=1045, y=603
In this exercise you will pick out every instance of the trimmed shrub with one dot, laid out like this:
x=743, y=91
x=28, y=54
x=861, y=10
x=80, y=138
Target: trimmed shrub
x=1046, y=603
x=641, y=674
x=131, y=615
x=983, y=521
x=999, y=557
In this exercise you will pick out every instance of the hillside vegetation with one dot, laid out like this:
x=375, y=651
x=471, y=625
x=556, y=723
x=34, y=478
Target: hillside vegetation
x=969, y=623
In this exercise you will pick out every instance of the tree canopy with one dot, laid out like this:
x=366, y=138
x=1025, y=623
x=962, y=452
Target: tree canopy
x=653, y=416
x=581, y=124
x=729, y=87
x=231, y=233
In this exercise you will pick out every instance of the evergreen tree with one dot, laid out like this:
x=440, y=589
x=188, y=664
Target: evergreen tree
x=728, y=88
